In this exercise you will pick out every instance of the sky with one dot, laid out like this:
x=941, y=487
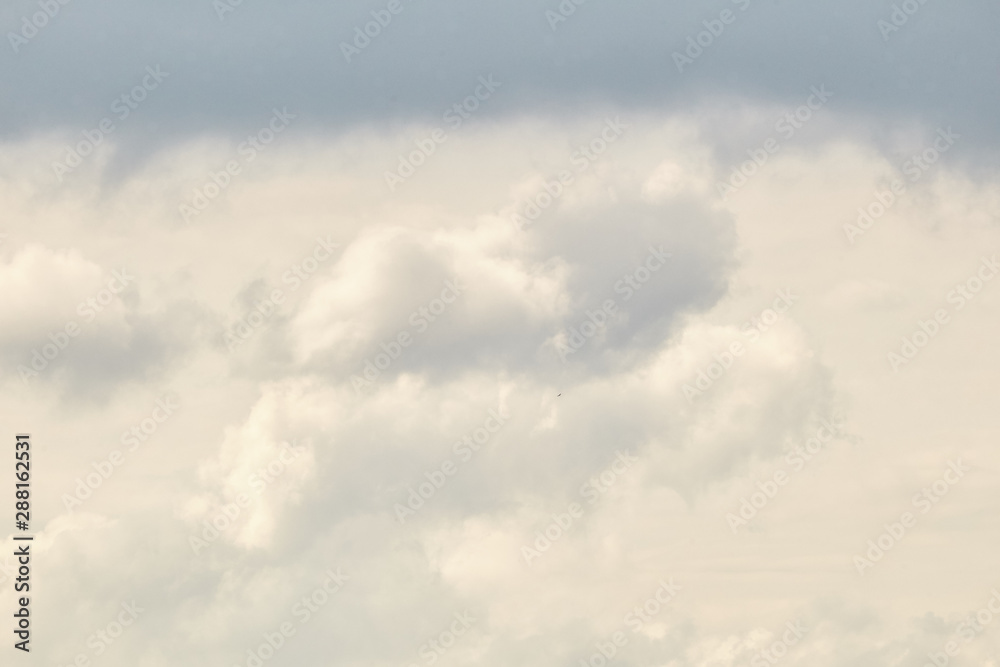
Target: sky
x=549, y=334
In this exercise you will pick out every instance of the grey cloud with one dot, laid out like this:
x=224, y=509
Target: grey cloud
x=226, y=75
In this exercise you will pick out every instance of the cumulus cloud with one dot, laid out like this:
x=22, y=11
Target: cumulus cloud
x=603, y=373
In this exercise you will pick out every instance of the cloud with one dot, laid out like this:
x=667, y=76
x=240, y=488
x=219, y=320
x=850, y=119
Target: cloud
x=221, y=80
x=423, y=384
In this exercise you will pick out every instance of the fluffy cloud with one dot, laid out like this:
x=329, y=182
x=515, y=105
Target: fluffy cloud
x=423, y=394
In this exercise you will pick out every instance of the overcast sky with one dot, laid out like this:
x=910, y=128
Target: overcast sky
x=628, y=333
